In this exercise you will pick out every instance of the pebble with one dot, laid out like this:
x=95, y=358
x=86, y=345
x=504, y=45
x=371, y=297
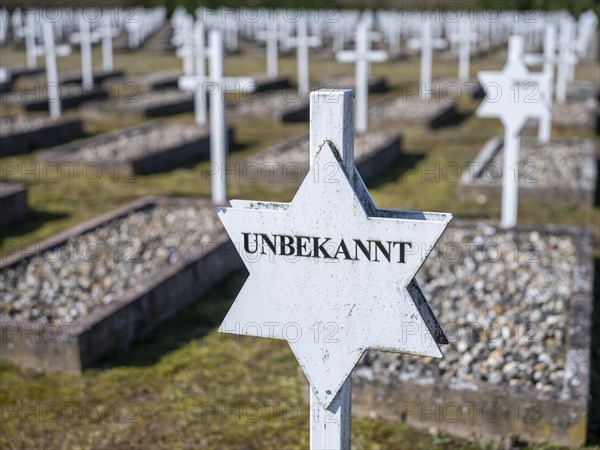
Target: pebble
x=98, y=267
x=486, y=346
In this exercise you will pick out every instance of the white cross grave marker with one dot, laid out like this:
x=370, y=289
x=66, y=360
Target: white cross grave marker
x=566, y=60
x=513, y=95
x=33, y=51
x=54, y=104
x=85, y=40
x=107, y=50
x=464, y=50
x=362, y=56
x=303, y=42
x=545, y=126
x=217, y=85
x=369, y=294
x=195, y=82
x=272, y=39
x=427, y=43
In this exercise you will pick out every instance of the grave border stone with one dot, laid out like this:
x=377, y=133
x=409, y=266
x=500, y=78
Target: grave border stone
x=74, y=347
x=13, y=203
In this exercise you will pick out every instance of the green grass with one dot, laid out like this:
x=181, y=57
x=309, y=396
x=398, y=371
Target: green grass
x=164, y=391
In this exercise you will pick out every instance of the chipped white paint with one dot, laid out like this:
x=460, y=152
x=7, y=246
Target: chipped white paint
x=332, y=302
x=514, y=95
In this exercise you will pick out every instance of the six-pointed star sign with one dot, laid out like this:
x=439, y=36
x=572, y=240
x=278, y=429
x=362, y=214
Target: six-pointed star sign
x=515, y=94
x=333, y=275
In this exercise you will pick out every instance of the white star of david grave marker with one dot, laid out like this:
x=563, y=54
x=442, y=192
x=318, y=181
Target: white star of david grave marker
x=514, y=95
x=332, y=274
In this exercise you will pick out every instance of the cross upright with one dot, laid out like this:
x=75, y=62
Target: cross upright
x=185, y=50
x=303, y=42
x=566, y=58
x=426, y=59
x=466, y=37
x=271, y=35
x=87, y=73
x=54, y=103
x=362, y=56
x=33, y=50
x=107, y=37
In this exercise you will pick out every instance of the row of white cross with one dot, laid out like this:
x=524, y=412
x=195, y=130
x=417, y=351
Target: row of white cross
x=140, y=23
x=214, y=84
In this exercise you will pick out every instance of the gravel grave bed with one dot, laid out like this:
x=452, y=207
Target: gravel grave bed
x=93, y=269
x=24, y=123
x=506, y=316
x=141, y=102
x=553, y=164
x=268, y=104
x=407, y=109
x=298, y=150
x=575, y=113
x=134, y=142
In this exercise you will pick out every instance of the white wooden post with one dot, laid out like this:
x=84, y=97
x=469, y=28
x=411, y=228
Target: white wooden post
x=512, y=151
x=302, y=56
x=218, y=138
x=510, y=177
x=30, y=44
x=545, y=126
x=87, y=74
x=426, y=59
x=562, y=77
x=200, y=54
x=272, y=51
x=54, y=104
x=303, y=42
x=464, y=55
x=107, y=51
x=362, y=57
x=332, y=119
